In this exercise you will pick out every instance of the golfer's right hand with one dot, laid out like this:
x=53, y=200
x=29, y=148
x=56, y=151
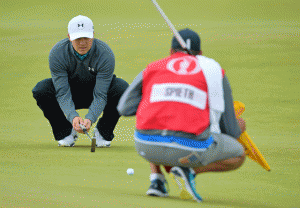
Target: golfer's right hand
x=76, y=126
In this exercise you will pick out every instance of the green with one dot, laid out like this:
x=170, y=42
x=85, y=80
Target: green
x=256, y=42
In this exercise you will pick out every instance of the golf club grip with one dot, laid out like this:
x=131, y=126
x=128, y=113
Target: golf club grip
x=83, y=128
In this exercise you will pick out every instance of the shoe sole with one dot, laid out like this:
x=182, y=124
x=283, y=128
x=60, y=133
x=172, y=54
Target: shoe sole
x=186, y=188
x=103, y=146
x=156, y=193
x=66, y=146
x=71, y=145
x=183, y=192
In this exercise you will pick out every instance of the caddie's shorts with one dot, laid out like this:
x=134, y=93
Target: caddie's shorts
x=179, y=151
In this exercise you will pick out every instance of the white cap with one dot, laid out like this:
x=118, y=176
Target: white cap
x=81, y=26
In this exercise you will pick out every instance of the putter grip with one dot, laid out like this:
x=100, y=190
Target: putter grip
x=83, y=128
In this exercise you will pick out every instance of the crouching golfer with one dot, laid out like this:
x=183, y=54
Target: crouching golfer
x=184, y=117
x=82, y=70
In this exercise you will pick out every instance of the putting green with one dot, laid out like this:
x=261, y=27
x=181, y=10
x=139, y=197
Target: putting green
x=256, y=42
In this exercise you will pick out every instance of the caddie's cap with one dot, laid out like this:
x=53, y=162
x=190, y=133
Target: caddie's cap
x=81, y=27
x=191, y=39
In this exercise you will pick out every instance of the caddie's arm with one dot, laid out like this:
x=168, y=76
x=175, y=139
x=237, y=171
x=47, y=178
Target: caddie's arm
x=61, y=84
x=105, y=70
x=229, y=124
x=132, y=97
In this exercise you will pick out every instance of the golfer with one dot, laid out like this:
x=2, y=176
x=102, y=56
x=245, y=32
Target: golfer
x=184, y=117
x=82, y=70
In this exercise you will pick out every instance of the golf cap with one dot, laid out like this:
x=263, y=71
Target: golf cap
x=191, y=39
x=81, y=27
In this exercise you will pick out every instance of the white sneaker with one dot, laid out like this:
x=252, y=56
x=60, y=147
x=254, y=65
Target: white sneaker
x=68, y=141
x=100, y=141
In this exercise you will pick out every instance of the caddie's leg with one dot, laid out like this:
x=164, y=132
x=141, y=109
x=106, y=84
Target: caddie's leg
x=155, y=168
x=158, y=182
x=109, y=120
x=44, y=94
x=223, y=165
x=225, y=154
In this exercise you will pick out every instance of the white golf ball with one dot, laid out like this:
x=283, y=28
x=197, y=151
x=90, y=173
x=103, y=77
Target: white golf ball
x=130, y=171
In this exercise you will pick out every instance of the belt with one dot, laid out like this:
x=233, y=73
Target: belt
x=203, y=136
x=169, y=140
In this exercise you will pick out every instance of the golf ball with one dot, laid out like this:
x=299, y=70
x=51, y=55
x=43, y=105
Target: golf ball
x=130, y=171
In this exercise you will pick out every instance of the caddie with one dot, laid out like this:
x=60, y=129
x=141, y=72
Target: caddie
x=185, y=118
x=82, y=71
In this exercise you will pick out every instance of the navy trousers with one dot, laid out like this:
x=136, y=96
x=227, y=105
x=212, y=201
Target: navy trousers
x=44, y=94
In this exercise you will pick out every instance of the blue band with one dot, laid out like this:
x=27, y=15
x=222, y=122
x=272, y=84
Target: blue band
x=179, y=140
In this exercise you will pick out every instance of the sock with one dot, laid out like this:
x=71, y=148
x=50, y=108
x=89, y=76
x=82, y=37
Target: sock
x=168, y=169
x=154, y=176
x=192, y=171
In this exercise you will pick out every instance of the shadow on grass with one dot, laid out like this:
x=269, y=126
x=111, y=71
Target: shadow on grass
x=113, y=148
x=234, y=203
x=163, y=199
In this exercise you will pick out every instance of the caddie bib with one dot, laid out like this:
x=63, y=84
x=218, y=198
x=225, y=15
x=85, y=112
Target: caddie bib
x=175, y=96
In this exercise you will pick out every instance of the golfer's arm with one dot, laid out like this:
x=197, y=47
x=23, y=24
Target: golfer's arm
x=131, y=98
x=103, y=81
x=62, y=88
x=229, y=124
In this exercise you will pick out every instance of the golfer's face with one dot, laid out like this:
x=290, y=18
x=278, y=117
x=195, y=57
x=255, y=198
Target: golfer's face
x=82, y=45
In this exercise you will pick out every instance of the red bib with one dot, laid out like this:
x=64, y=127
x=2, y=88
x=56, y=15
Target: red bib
x=174, y=96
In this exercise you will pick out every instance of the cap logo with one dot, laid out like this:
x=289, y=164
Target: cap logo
x=81, y=26
x=184, y=66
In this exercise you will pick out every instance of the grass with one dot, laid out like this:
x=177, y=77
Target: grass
x=256, y=42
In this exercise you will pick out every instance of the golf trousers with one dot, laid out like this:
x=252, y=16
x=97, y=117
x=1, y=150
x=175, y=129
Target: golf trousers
x=179, y=151
x=44, y=94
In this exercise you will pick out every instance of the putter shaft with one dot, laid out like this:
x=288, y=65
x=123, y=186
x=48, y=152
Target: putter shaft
x=93, y=140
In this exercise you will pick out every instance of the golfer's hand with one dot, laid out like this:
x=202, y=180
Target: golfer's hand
x=87, y=123
x=76, y=126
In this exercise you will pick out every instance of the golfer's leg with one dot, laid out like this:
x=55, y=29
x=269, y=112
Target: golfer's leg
x=44, y=94
x=109, y=120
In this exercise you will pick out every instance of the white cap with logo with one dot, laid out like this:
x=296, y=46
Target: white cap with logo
x=80, y=27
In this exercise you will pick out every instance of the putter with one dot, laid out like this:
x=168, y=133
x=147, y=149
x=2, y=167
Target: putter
x=176, y=34
x=93, y=140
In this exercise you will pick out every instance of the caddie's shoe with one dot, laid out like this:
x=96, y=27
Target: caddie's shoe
x=100, y=141
x=69, y=141
x=157, y=188
x=185, y=178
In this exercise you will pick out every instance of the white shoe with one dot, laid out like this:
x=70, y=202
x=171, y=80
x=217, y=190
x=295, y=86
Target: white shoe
x=68, y=141
x=100, y=141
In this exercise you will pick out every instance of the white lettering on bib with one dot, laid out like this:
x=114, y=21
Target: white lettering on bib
x=178, y=92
